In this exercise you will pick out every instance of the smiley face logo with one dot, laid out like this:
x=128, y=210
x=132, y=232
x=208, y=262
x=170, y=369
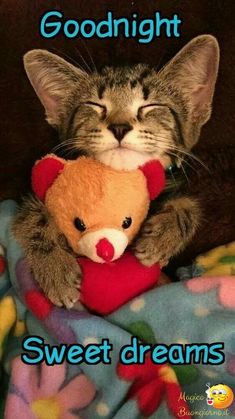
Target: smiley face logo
x=220, y=396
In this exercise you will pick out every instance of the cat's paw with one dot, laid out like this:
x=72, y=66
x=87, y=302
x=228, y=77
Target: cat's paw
x=65, y=291
x=65, y=296
x=154, y=244
x=167, y=233
x=59, y=275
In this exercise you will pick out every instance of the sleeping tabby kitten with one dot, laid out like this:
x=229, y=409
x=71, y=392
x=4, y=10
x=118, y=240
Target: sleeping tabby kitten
x=123, y=116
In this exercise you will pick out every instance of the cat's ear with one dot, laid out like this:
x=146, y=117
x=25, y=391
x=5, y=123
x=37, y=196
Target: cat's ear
x=193, y=72
x=54, y=80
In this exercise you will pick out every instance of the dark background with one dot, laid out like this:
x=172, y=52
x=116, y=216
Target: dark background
x=25, y=135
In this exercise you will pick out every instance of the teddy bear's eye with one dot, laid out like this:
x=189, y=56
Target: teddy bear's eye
x=127, y=222
x=79, y=224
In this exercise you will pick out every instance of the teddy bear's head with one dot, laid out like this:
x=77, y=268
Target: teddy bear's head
x=98, y=209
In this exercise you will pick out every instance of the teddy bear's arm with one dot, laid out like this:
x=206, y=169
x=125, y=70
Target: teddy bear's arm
x=51, y=260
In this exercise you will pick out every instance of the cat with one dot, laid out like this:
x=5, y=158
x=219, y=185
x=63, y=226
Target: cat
x=121, y=116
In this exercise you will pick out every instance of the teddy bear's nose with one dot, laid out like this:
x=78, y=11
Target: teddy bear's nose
x=105, y=250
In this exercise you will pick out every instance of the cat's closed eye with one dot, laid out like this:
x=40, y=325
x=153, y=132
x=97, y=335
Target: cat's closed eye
x=100, y=109
x=145, y=109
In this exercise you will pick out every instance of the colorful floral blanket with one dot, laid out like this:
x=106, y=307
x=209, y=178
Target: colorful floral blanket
x=201, y=309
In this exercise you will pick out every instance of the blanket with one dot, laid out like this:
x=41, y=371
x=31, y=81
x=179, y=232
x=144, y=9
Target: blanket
x=201, y=309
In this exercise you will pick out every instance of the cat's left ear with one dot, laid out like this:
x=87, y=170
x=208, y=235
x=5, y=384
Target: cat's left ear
x=193, y=72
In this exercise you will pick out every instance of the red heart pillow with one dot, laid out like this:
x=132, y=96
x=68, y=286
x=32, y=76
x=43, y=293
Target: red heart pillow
x=107, y=286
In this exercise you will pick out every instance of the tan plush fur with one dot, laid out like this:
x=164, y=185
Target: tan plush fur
x=100, y=196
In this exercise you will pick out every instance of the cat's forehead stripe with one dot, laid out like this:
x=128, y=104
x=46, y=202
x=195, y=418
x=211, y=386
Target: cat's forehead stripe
x=144, y=74
x=146, y=92
x=101, y=90
x=133, y=83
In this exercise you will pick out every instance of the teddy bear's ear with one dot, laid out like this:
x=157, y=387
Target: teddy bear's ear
x=155, y=176
x=44, y=172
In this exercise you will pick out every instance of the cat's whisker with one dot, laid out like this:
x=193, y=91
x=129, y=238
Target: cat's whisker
x=189, y=165
x=184, y=172
x=73, y=140
x=62, y=145
x=76, y=63
x=171, y=153
x=58, y=147
x=174, y=180
x=90, y=56
x=183, y=161
x=187, y=153
x=84, y=61
x=153, y=141
x=195, y=158
x=69, y=144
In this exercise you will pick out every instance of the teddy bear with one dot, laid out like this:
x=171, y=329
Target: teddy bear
x=100, y=210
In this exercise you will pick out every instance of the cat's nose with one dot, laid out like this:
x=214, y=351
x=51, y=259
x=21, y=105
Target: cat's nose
x=120, y=130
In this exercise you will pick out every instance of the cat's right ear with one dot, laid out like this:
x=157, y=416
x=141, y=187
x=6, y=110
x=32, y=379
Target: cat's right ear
x=54, y=80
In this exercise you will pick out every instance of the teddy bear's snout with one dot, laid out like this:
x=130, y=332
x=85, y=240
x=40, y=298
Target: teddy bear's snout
x=103, y=245
x=105, y=250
